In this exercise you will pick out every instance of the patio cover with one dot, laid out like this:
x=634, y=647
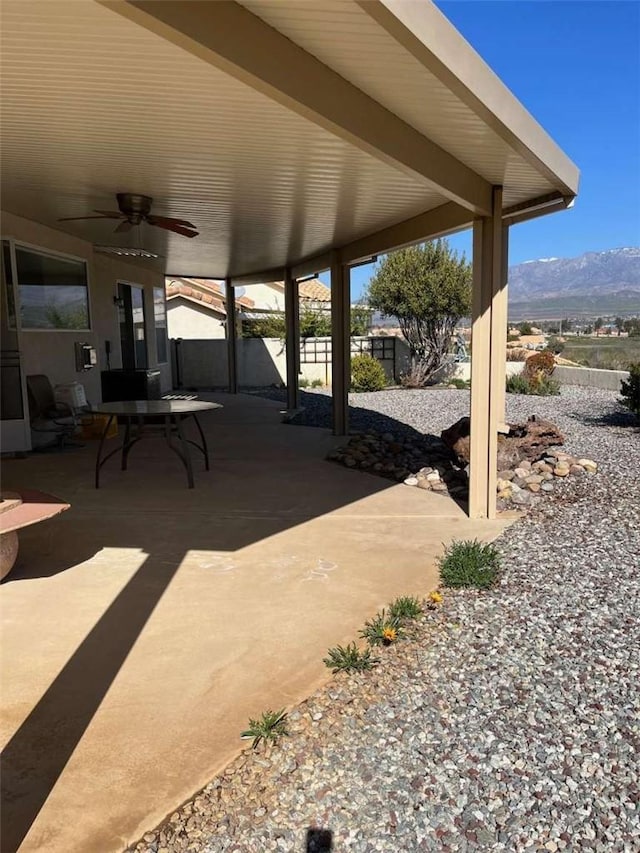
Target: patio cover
x=297, y=136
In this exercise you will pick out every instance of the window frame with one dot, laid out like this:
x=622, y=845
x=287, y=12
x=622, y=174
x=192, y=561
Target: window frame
x=39, y=250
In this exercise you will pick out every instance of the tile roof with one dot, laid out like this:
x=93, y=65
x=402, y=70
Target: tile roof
x=314, y=290
x=206, y=291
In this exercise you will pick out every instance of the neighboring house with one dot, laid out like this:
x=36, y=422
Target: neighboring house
x=313, y=295
x=196, y=308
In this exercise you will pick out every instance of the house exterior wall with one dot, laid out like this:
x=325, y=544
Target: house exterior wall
x=265, y=297
x=52, y=352
x=187, y=320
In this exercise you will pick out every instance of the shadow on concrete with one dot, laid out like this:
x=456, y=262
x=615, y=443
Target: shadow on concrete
x=36, y=755
x=265, y=478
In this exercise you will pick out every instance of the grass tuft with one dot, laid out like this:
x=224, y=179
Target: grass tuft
x=349, y=659
x=382, y=630
x=269, y=727
x=469, y=563
x=405, y=607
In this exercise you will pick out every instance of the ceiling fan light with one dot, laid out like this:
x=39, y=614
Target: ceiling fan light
x=127, y=252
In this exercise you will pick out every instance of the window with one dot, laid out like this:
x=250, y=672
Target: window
x=53, y=291
x=160, y=319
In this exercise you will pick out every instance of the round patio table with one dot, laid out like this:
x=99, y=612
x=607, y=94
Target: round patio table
x=141, y=416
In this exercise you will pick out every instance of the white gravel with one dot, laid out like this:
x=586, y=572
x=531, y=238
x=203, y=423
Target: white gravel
x=512, y=721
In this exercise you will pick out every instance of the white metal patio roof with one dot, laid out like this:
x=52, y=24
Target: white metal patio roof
x=281, y=129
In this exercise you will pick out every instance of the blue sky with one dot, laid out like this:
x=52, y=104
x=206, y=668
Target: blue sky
x=575, y=66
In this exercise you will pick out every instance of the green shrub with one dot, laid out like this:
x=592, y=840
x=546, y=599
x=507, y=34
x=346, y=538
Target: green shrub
x=517, y=384
x=544, y=386
x=538, y=385
x=317, y=383
x=630, y=389
x=314, y=324
x=367, y=374
x=270, y=726
x=303, y=383
x=382, y=630
x=469, y=563
x=460, y=384
x=265, y=327
x=349, y=659
x=405, y=607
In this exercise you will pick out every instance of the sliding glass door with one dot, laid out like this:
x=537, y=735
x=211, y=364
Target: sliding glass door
x=133, y=329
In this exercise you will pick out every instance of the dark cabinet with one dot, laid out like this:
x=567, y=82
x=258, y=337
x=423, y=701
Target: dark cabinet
x=135, y=384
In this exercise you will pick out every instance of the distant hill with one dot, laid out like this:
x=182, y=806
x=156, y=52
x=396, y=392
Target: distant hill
x=595, y=283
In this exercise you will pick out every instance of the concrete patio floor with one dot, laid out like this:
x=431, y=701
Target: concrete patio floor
x=143, y=627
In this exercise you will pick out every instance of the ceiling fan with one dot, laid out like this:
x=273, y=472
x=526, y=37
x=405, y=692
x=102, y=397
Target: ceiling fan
x=134, y=209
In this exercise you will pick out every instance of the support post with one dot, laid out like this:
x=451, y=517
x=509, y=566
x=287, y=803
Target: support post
x=499, y=324
x=487, y=370
x=292, y=317
x=230, y=303
x=340, y=343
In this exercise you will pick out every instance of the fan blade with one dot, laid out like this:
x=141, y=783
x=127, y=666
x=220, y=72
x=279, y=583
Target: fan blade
x=111, y=214
x=163, y=221
x=76, y=218
x=124, y=226
x=178, y=229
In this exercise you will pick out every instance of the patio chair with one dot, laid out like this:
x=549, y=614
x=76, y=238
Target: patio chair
x=52, y=423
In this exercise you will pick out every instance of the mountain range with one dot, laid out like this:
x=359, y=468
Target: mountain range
x=596, y=283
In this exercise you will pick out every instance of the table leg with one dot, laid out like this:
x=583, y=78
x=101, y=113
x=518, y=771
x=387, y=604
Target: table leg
x=185, y=449
x=126, y=444
x=100, y=446
x=204, y=447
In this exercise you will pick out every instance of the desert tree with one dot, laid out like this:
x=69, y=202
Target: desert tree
x=428, y=288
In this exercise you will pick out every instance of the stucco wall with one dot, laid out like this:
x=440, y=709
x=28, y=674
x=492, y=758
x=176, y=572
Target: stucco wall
x=193, y=322
x=52, y=352
x=260, y=362
x=264, y=296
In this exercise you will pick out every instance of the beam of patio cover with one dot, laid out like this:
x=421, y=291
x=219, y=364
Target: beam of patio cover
x=231, y=38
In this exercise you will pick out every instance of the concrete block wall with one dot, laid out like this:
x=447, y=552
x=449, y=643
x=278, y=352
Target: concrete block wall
x=590, y=377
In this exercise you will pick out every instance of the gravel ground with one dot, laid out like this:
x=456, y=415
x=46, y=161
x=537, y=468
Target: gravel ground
x=509, y=722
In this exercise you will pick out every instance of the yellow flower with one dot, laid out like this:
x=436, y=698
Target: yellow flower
x=435, y=597
x=389, y=634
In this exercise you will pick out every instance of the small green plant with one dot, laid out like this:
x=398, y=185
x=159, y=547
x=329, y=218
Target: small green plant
x=544, y=386
x=460, y=384
x=269, y=727
x=405, y=607
x=382, y=630
x=518, y=384
x=630, y=389
x=303, y=383
x=539, y=385
x=367, y=374
x=349, y=659
x=317, y=383
x=469, y=563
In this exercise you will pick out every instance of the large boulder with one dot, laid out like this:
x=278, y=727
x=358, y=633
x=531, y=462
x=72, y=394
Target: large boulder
x=527, y=441
x=457, y=439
